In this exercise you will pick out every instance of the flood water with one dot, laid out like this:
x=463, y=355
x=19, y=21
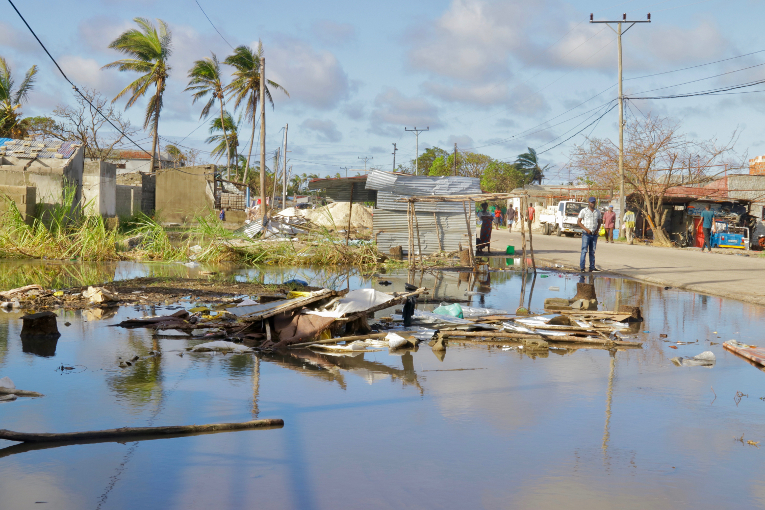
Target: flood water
x=577, y=429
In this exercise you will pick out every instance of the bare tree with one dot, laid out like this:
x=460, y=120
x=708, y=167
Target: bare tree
x=83, y=124
x=657, y=157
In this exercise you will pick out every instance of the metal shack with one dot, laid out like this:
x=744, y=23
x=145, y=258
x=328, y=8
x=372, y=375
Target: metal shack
x=441, y=225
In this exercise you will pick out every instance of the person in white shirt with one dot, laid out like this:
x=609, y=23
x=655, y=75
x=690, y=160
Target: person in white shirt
x=589, y=221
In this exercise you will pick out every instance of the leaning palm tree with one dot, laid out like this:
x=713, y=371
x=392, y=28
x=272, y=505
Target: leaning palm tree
x=245, y=88
x=11, y=99
x=227, y=141
x=529, y=165
x=204, y=80
x=150, y=48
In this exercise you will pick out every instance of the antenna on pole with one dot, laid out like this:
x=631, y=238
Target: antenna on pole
x=417, y=155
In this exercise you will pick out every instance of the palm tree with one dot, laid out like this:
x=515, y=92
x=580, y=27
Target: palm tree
x=176, y=154
x=205, y=79
x=12, y=98
x=245, y=88
x=529, y=165
x=150, y=48
x=226, y=141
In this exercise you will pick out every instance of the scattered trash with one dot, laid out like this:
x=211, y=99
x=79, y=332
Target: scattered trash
x=99, y=295
x=554, y=289
x=384, y=282
x=662, y=335
x=705, y=359
x=453, y=310
x=398, y=342
x=8, y=388
x=673, y=347
x=738, y=397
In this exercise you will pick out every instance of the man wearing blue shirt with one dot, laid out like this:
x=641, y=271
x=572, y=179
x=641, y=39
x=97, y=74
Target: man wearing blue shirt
x=708, y=218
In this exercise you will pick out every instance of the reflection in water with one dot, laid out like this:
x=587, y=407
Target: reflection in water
x=44, y=346
x=609, y=398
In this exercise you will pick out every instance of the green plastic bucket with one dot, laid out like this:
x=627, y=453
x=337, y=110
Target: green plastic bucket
x=510, y=250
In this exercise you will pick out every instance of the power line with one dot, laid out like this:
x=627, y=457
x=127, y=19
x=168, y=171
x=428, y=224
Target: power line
x=694, y=67
x=701, y=79
x=71, y=83
x=213, y=25
x=710, y=92
x=585, y=127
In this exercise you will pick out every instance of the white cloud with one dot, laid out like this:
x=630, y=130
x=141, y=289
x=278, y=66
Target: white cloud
x=325, y=130
x=485, y=94
x=460, y=140
x=333, y=33
x=98, y=32
x=313, y=78
x=87, y=72
x=394, y=111
x=21, y=41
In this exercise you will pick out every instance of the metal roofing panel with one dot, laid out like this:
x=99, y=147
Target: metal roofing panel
x=418, y=185
x=44, y=150
x=391, y=202
x=393, y=229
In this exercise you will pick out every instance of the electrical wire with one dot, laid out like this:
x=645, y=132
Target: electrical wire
x=702, y=79
x=572, y=136
x=213, y=25
x=70, y=81
x=694, y=67
x=710, y=92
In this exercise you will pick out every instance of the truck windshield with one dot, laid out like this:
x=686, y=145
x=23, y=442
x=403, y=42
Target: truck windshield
x=572, y=209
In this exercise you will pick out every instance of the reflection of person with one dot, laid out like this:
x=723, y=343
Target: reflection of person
x=486, y=220
x=629, y=225
x=589, y=221
x=609, y=223
x=708, y=219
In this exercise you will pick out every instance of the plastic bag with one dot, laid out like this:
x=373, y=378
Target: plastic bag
x=453, y=310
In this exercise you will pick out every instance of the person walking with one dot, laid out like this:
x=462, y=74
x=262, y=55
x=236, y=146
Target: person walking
x=609, y=223
x=531, y=213
x=484, y=239
x=589, y=221
x=497, y=218
x=629, y=225
x=708, y=219
x=510, y=218
x=222, y=215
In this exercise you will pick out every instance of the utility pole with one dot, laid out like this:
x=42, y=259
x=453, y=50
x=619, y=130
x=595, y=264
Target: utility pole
x=417, y=156
x=346, y=170
x=365, y=159
x=263, y=141
x=455, y=158
x=394, y=157
x=619, y=34
x=284, y=171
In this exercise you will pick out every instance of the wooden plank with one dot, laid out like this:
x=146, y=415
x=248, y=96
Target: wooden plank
x=750, y=352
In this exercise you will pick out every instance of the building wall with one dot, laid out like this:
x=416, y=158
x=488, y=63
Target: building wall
x=128, y=200
x=99, y=188
x=148, y=194
x=25, y=198
x=757, y=166
x=750, y=187
x=181, y=193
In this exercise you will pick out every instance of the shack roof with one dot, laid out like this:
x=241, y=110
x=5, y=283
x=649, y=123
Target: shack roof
x=418, y=185
x=28, y=149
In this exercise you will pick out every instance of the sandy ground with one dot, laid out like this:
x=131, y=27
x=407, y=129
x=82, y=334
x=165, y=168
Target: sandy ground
x=719, y=274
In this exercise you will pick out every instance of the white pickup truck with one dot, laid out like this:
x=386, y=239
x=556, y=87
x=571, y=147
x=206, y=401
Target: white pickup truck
x=562, y=218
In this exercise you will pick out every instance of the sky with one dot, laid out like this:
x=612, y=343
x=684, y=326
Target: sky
x=493, y=76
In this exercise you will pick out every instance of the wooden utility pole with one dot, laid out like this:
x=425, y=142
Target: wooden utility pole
x=619, y=33
x=284, y=171
x=394, y=157
x=455, y=158
x=262, y=139
x=276, y=176
x=417, y=155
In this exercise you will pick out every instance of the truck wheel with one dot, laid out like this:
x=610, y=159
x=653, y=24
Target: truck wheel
x=558, y=231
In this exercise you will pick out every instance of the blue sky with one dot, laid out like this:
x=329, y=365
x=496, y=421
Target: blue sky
x=493, y=76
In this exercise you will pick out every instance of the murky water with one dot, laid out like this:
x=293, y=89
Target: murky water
x=581, y=429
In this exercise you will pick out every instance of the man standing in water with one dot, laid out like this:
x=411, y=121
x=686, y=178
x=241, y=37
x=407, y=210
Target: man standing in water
x=589, y=221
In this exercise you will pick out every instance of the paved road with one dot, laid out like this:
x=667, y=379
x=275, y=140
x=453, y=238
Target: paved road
x=730, y=276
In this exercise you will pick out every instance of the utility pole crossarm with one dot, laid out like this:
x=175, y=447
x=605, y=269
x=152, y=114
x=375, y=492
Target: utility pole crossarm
x=417, y=154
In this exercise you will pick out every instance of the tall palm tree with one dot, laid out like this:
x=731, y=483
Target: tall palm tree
x=204, y=80
x=227, y=141
x=245, y=88
x=11, y=99
x=529, y=165
x=150, y=48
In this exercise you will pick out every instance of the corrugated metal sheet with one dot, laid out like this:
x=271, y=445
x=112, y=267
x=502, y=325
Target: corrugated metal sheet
x=339, y=189
x=394, y=230
x=418, y=185
x=390, y=202
x=18, y=149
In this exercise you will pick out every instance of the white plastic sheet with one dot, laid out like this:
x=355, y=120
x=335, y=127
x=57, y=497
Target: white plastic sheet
x=221, y=346
x=356, y=301
x=6, y=382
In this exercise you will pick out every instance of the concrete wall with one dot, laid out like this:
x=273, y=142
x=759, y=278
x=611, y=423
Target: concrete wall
x=25, y=198
x=50, y=176
x=128, y=200
x=148, y=194
x=99, y=188
x=181, y=193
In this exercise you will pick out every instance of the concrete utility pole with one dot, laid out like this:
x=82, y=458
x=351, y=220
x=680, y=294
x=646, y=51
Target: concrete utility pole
x=455, y=158
x=262, y=139
x=365, y=159
x=619, y=33
x=284, y=171
x=394, y=157
x=346, y=170
x=417, y=156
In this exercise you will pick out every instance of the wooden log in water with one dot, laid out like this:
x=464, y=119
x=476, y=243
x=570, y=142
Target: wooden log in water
x=557, y=338
x=135, y=431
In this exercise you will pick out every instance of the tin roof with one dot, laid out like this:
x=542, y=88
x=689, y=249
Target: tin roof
x=28, y=148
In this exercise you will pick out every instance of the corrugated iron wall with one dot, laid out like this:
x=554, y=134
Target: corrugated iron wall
x=449, y=227
x=339, y=190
